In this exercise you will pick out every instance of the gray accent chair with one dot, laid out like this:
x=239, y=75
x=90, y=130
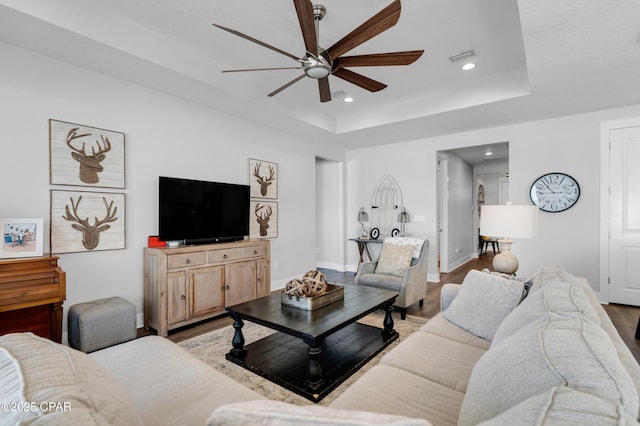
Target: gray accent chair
x=412, y=286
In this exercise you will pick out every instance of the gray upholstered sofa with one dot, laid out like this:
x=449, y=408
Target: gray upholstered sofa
x=554, y=359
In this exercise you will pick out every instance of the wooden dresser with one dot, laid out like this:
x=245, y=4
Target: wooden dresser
x=32, y=291
x=192, y=283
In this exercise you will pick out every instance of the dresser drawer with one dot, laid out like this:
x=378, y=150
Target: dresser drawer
x=238, y=253
x=186, y=259
x=224, y=255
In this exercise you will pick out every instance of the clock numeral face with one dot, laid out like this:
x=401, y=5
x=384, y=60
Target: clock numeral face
x=555, y=192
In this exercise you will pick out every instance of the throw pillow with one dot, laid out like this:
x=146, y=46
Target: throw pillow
x=554, y=351
x=563, y=405
x=394, y=259
x=483, y=302
x=563, y=298
x=275, y=413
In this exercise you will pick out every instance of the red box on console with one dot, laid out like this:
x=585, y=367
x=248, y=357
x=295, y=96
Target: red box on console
x=155, y=241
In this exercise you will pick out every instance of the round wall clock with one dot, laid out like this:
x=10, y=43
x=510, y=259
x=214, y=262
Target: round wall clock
x=555, y=192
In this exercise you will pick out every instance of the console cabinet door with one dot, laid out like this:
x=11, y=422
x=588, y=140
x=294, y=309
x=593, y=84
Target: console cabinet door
x=263, y=284
x=240, y=282
x=176, y=297
x=207, y=290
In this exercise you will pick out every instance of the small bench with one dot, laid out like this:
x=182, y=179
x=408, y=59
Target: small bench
x=101, y=323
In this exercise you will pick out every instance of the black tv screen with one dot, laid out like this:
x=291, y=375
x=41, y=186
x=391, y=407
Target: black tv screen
x=202, y=212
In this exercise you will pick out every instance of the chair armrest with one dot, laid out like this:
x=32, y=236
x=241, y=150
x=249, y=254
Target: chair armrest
x=447, y=294
x=365, y=268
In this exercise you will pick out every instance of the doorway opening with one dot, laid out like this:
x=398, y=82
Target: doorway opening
x=467, y=178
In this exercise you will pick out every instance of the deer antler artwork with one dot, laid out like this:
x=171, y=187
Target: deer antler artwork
x=90, y=233
x=263, y=217
x=264, y=181
x=89, y=164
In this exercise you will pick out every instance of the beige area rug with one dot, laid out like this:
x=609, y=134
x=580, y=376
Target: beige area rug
x=212, y=348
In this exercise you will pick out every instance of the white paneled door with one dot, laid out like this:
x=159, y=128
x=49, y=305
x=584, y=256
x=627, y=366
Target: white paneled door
x=624, y=216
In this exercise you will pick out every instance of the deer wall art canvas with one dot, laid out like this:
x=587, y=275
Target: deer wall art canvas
x=85, y=156
x=263, y=179
x=263, y=221
x=87, y=221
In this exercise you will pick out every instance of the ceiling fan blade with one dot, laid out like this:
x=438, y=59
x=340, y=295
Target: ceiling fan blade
x=304, y=9
x=377, y=24
x=378, y=59
x=281, y=88
x=325, y=91
x=359, y=80
x=261, y=43
x=265, y=69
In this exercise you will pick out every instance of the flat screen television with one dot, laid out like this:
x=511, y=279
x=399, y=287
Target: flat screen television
x=201, y=212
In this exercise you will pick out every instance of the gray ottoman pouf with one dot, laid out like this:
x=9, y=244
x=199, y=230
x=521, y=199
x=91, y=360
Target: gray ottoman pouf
x=101, y=323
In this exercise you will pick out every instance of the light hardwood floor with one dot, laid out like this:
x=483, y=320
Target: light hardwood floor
x=624, y=318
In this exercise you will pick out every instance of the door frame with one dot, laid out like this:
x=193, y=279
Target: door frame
x=605, y=168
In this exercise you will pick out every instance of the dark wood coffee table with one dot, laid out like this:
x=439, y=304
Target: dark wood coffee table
x=313, y=351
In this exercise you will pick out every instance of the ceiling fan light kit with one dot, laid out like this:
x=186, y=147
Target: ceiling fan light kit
x=319, y=63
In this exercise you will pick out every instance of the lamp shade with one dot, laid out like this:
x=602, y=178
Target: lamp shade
x=509, y=221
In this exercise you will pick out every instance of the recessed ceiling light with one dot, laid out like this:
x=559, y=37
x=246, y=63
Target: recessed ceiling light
x=468, y=66
x=488, y=153
x=348, y=99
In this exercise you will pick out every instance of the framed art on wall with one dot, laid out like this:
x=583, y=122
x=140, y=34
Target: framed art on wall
x=87, y=221
x=263, y=179
x=21, y=238
x=264, y=219
x=85, y=156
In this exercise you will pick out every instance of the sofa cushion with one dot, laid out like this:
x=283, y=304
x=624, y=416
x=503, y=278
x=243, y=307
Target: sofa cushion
x=482, y=303
x=394, y=259
x=390, y=390
x=154, y=368
x=564, y=298
x=549, y=352
x=38, y=370
x=441, y=326
x=566, y=406
x=435, y=358
x=275, y=413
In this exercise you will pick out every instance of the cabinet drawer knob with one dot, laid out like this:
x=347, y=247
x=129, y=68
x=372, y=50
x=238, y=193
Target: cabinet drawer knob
x=224, y=256
x=255, y=252
x=183, y=297
x=188, y=261
x=227, y=287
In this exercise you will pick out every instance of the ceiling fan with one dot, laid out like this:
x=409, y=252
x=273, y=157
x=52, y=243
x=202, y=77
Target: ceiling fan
x=319, y=63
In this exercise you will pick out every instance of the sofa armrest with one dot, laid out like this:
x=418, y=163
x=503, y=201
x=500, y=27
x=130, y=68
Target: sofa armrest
x=447, y=294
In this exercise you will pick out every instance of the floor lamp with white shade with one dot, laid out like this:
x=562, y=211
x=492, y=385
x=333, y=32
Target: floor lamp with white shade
x=508, y=221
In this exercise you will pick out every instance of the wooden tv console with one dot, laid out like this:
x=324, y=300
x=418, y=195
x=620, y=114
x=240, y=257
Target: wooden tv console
x=187, y=284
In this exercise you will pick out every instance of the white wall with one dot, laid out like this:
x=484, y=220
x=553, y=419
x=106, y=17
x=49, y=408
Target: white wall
x=460, y=246
x=568, y=144
x=164, y=136
x=329, y=215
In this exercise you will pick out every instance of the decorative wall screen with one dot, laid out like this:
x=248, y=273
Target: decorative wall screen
x=386, y=205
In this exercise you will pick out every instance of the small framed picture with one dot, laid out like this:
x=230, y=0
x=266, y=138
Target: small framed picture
x=21, y=238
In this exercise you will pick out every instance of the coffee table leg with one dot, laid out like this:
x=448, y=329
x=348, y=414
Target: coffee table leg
x=388, y=322
x=238, y=339
x=314, y=370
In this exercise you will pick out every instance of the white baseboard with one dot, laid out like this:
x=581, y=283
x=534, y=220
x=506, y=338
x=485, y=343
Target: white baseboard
x=329, y=265
x=458, y=263
x=140, y=320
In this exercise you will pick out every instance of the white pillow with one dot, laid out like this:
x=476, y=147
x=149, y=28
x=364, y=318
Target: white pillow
x=483, y=302
x=275, y=413
x=563, y=405
x=394, y=259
